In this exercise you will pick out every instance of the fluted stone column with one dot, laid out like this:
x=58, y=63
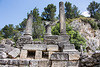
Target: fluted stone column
x=62, y=18
x=28, y=29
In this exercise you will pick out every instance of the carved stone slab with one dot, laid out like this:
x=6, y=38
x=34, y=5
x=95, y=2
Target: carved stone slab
x=34, y=47
x=59, y=56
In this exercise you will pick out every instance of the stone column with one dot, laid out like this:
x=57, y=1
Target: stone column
x=28, y=30
x=62, y=18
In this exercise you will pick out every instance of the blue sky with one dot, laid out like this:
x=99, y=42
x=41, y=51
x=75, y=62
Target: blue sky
x=14, y=11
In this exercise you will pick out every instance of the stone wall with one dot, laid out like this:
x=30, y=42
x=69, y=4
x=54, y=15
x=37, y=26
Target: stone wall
x=90, y=61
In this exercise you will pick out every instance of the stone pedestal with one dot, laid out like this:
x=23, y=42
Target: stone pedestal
x=38, y=55
x=48, y=30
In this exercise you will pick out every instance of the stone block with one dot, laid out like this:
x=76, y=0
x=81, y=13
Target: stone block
x=44, y=63
x=3, y=55
x=52, y=47
x=13, y=62
x=23, y=62
x=59, y=56
x=73, y=63
x=23, y=66
x=74, y=56
x=37, y=42
x=34, y=47
x=59, y=64
x=3, y=65
x=8, y=48
x=3, y=61
x=12, y=66
x=50, y=53
x=68, y=46
x=38, y=55
x=33, y=63
x=14, y=53
x=23, y=54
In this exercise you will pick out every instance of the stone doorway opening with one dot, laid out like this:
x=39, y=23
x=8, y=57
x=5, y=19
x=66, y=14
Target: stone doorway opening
x=31, y=54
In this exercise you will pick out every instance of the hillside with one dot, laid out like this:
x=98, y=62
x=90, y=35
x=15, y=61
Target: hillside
x=91, y=35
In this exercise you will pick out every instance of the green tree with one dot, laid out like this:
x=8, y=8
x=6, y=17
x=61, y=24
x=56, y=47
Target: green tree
x=93, y=8
x=8, y=31
x=22, y=25
x=71, y=12
x=49, y=12
x=37, y=24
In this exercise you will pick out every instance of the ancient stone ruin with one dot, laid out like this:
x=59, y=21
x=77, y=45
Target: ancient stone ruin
x=54, y=51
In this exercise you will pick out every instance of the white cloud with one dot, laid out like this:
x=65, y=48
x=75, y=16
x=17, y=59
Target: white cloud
x=86, y=14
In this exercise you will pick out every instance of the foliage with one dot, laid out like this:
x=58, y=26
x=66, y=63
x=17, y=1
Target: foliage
x=94, y=10
x=38, y=27
x=75, y=37
x=56, y=29
x=71, y=12
x=49, y=12
x=91, y=22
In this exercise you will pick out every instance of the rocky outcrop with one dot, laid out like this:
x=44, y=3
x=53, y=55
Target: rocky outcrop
x=92, y=36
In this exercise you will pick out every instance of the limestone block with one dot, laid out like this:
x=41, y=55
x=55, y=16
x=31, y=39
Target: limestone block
x=68, y=46
x=33, y=63
x=3, y=55
x=23, y=54
x=44, y=63
x=52, y=47
x=14, y=53
x=74, y=56
x=50, y=53
x=23, y=66
x=23, y=62
x=34, y=47
x=59, y=64
x=59, y=56
x=3, y=65
x=12, y=66
x=3, y=61
x=38, y=55
x=13, y=62
x=73, y=63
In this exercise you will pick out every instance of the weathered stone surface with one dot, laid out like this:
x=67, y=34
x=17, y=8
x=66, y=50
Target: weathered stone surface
x=48, y=29
x=74, y=56
x=62, y=18
x=3, y=65
x=23, y=40
x=50, y=53
x=23, y=54
x=34, y=47
x=68, y=46
x=59, y=64
x=23, y=66
x=59, y=56
x=52, y=47
x=33, y=63
x=12, y=66
x=3, y=61
x=44, y=63
x=14, y=53
x=73, y=63
x=13, y=62
x=3, y=55
x=37, y=42
x=6, y=48
x=28, y=30
x=38, y=55
x=50, y=39
x=23, y=62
